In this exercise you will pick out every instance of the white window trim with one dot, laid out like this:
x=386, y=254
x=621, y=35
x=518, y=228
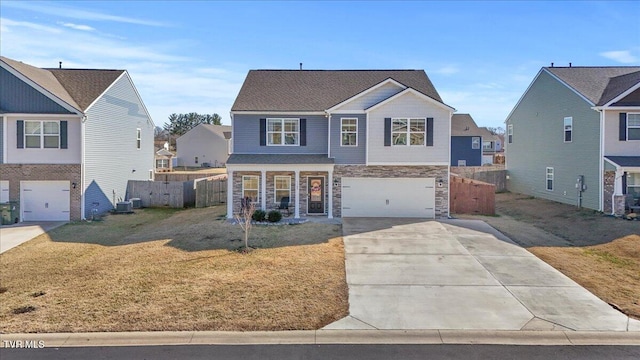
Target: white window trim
x=633, y=127
x=462, y=162
x=162, y=163
x=487, y=145
x=547, y=178
x=138, y=138
x=409, y=132
x=631, y=185
x=257, y=200
x=42, y=135
x=564, y=128
x=475, y=146
x=282, y=132
x=510, y=133
x=342, y=132
x=275, y=187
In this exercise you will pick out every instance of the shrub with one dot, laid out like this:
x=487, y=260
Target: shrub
x=274, y=216
x=259, y=215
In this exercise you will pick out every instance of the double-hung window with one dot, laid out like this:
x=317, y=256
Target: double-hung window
x=475, y=142
x=510, y=133
x=349, y=132
x=408, y=131
x=283, y=132
x=633, y=126
x=568, y=129
x=42, y=134
x=550, y=178
x=282, y=188
x=487, y=145
x=250, y=187
x=162, y=163
x=633, y=184
x=138, y=139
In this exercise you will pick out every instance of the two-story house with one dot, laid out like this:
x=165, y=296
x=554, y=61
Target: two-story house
x=466, y=141
x=574, y=137
x=70, y=140
x=350, y=143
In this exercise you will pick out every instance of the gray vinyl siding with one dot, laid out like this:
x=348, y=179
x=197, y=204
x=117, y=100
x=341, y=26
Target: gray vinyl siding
x=111, y=152
x=351, y=155
x=18, y=97
x=538, y=143
x=246, y=135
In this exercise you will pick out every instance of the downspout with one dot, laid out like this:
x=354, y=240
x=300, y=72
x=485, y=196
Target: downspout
x=5, y=147
x=328, y=115
x=82, y=167
x=601, y=166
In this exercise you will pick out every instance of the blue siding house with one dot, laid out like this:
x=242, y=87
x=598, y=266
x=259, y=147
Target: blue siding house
x=466, y=141
x=71, y=139
x=348, y=143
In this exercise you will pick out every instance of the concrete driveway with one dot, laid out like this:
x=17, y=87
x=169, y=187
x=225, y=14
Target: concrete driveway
x=14, y=235
x=459, y=274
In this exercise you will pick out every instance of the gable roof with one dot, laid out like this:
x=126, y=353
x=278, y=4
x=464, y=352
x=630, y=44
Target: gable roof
x=319, y=90
x=223, y=131
x=85, y=85
x=464, y=125
x=76, y=87
x=598, y=84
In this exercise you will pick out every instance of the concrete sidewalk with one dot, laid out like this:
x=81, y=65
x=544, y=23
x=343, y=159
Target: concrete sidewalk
x=408, y=274
x=325, y=337
x=14, y=235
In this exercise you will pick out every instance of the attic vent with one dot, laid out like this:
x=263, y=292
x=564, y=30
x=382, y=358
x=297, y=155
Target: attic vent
x=300, y=66
x=60, y=64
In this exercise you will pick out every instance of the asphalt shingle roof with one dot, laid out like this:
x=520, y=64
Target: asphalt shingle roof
x=239, y=159
x=598, y=84
x=318, y=90
x=464, y=125
x=625, y=161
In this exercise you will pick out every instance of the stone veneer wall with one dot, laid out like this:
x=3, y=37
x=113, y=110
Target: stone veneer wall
x=237, y=187
x=15, y=173
x=609, y=186
x=363, y=171
x=271, y=191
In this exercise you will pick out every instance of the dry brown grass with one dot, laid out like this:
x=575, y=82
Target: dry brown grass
x=174, y=270
x=611, y=271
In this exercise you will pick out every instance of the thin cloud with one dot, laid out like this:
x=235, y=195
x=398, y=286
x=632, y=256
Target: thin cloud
x=77, y=27
x=621, y=56
x=8, y=23
x=73, y=13
x=447, y=70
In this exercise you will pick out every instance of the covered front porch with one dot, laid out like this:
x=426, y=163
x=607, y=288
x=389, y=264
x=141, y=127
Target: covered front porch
x=622, y=184
x=303, y=182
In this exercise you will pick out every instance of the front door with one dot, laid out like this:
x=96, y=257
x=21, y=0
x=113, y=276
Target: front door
x=316, y=195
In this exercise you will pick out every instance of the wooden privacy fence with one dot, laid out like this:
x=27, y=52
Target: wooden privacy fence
x=174, y=194
x=211, y=191
x=467, y=196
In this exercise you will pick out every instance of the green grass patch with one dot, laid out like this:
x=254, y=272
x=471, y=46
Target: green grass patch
x=608, y=257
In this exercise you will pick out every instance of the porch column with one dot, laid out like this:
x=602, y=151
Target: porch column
x=229, y=194
x=330, y=189
x=263, y=190
x=296, y=213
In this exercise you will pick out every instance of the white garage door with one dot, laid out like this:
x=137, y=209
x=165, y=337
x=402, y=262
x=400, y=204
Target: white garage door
x=390, y=197
x=45, y=200
x=4, y=191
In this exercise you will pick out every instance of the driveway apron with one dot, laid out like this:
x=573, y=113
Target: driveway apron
x=458, y=274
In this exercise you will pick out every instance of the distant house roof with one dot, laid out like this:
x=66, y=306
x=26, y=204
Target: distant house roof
x=246, y=159
x=599, y=84
x=164, y=152
x=464, y=125
x=220, y=130
x=76, y=87
x=319, y=90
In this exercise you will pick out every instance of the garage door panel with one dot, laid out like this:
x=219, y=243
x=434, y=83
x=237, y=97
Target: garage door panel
x=45, y=200
x=388, y=197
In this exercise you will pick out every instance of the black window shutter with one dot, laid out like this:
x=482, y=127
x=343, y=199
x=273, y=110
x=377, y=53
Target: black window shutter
x=387, y=131
x=623, y=127
x=20, y=134
x=429, y=131
x=624, y=184
x=303, y=132
x=63, y=134
x=263, y=132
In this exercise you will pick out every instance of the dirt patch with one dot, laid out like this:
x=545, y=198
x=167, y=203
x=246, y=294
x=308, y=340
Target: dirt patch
x=163, y=269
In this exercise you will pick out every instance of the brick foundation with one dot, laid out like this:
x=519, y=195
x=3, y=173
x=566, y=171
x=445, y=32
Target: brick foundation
x=15, y=173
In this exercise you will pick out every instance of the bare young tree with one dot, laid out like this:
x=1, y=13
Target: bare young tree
x=244, y=218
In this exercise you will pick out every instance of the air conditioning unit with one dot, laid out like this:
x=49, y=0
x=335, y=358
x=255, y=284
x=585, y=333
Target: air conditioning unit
x=124, y=207
x=136, y=203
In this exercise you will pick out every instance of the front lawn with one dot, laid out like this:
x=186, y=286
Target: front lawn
x=162, y=269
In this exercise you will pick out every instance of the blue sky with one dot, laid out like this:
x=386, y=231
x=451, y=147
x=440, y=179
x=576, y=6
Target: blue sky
x=193, y=56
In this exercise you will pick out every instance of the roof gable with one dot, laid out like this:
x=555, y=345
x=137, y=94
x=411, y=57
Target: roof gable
x=370, y=96
x=86, y=85
x=464, y=125
x=319, y=90
x=405, y=92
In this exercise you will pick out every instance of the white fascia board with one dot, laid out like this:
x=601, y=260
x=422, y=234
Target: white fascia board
x=374, y=87
x=612, y=163
x=348, y=112
x=40, y=89
x=623, y=95
x=279, y=167
x=619, y=108
x=410, y=91
x=286, y=113
x=47, y=116
x=437, y=163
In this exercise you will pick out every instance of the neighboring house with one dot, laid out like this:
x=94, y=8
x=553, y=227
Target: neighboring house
x=348, y=143
x=204, y=145
x=574, y=137
x=466, y=141
x=164, y=160
x=71, y=139
x=491, y=146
